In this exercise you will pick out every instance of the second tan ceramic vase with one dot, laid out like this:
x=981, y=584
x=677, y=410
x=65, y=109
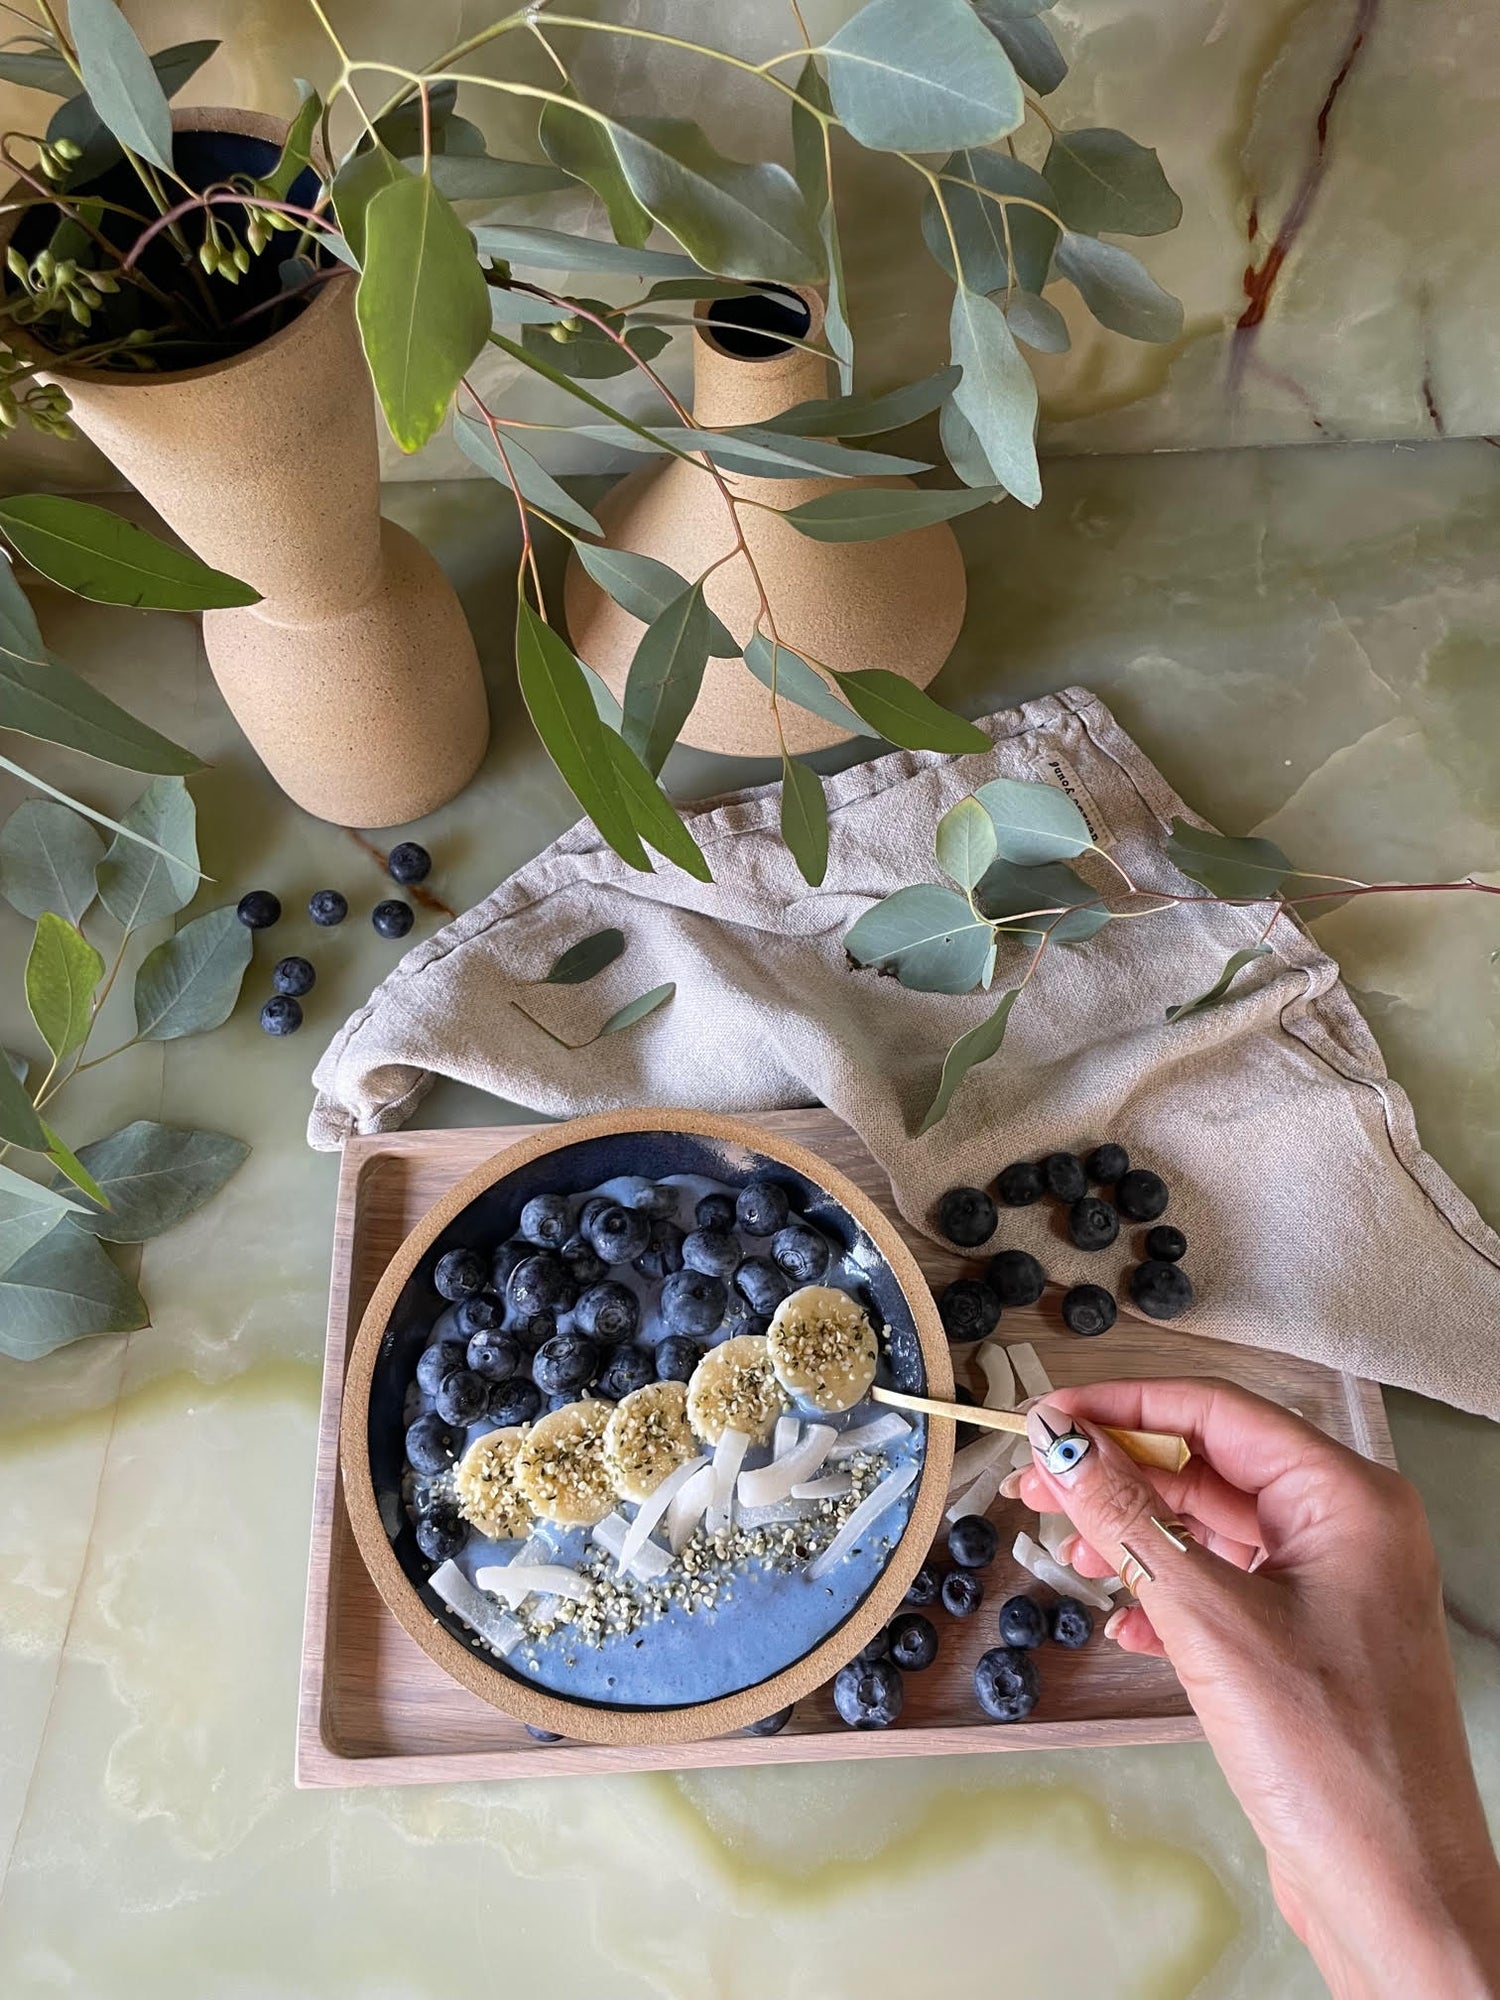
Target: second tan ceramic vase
x=897, y=603
x=355, y=679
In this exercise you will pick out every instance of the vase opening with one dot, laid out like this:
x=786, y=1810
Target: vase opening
x=759, y=327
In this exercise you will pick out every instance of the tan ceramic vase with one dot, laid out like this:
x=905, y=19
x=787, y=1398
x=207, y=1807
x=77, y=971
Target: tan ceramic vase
x=897, y=603
x=355, y=678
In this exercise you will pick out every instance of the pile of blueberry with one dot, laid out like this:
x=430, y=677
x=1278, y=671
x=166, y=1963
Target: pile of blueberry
x=292, y=979
x=971, y=1307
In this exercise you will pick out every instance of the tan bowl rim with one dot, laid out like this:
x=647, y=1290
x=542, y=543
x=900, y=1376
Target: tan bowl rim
x=583, y=1721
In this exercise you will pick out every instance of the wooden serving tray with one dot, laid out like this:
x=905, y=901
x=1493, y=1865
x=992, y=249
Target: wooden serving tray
x=374, y=1710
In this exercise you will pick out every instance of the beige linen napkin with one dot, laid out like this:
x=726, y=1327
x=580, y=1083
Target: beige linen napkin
x=1316, y=1223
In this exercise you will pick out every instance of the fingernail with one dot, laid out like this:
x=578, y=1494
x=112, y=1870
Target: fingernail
x=1060, y=1447
x=1010, y=1486
x=1068, y=1547
x=1115, y=1621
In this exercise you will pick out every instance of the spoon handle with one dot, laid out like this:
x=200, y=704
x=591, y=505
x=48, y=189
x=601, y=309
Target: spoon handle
x=1162, y=1449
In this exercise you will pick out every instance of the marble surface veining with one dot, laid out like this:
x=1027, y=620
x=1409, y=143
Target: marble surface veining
x=1303, y=640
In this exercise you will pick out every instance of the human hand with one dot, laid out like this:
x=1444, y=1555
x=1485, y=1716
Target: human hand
x=1321, y=1675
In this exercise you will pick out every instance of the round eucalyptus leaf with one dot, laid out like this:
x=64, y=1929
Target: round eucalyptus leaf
x=1034, y=822
x=48, y=858
x=921, y=79
x=61, y=1289
x=928, y=936
x=153, y=1176
x=191, y=982
x=1118, y=289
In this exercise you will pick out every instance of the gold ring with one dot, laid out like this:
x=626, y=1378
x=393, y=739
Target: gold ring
x=1133, y=1572
x=1178, y=1533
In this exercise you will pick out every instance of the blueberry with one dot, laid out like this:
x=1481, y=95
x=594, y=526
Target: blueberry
x=294, y=977
x=627, y=1369
x=608, y=1313
x=533, y=1329
x=495, y=1356
x=740, y=1317
x=1107, y=1164
x=543, y=1735
x=1063, y=1176
x=967, y=1217
x=715, y=1251
x=1092, y=1223
x=926, y=1586
x=429, y=1446
x=663, y=1254
x=761, y=1208
x=594, y=1206
x=392, y=919
x=1165, y=1244
x=1006, y=1684
x=514, y=1402
x=676, y=1358
x=973, y=1541
x=969, y=1310
x=618, y=1234
x=1162, y=1291
x=1019, y=1184
x=561, y=1399
x=693, y=1303
x=868, y=1693
x=652, y=1198
x=1089, y=1310
x=565, y=1364
x=460, y=1274
x=715, y=1211
x=407, y=862
x=259, y=910
x=547, y=1221
x=1141, y=1195
x=583, y=1260
x=1016, y=1278
x=505, y=1261
x=1022, y=1622
x=327, y=907
x=801, y=1253
x=461, y=1397
x=1071, y=1624
x=281, y=1015
x=434, y=1362
x=541, y=1282
x=480, y=1314
x=760, y=1284
x=769, y=1725
x=962, y=1593
x=441, y=1533
x=913, y=1641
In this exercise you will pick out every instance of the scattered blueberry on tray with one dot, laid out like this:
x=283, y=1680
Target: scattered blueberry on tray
x=973, y=1541
x=1166, y=1244
x=327, y=907
x=1070, y=1623
x=912, y=1641
x=1140, y=1195
x=1020, y=1184
x=281, y=1015
x=769, y=1725
x=926, y=1586
x=407, y=863
x=969, y=1310
x=294, y=977
x=967, y=1217
x=393, y=918
x=1064, y=1177
x=1093, y=1223
x=1161, y=1290
x=962, y=1593
x=1016, y=1278
x=1005, y=1681
x=1023, y=1623
x=869, y=1694
x=1089, y=1310
x=259, y=910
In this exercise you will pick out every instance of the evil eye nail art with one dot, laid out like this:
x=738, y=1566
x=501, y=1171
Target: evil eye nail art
x=1063, y=1451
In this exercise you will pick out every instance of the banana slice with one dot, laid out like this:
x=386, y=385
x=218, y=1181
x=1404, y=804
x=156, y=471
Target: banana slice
x=647, y=1438
x=485, y=1482
x=560, y=1470
x=823, y=1348
x=734, y=1388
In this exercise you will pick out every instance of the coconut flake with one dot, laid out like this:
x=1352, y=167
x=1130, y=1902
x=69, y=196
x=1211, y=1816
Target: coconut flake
x=1057, y=1576
x=515, y=1581
x=777, y=1515
x=784, y=1437
x=976, y=1458
x=978, y=1498
x=1052, y=1530
x=729, y=1456
x=767, y=1484
x=688, y=1507
x=1033, y=1376
x=496, y=1627
x=652, y=1509
x=650, y=1562
x=831, y=1486
x=1001, y=1377
x=869, y=1510
x=885, y=1430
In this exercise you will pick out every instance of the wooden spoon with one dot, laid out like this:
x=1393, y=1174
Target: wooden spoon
x=1162, y=1449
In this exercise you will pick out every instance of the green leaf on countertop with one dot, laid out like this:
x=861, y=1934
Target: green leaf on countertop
x=1033, y=51
x=795, y=681
x=645, y=587
x=928, y=936
x=1007, y=893
x=637, y=1009
x=652, y=813
x=810, y=164
x=666, y=674
x=19, y=1123
x=976, y=1047
x=62, y=970
x=519, y=471
x=191, y=982
x=1034, y=822
x=865, y=416
x=355, y=186
x=153, y=1176
x=965, y=842
x=1250, y=870
x=902, y=713
x=979, y=224
x=97, y=554
x=75, y=805
x=804, y=819
x=63, y=1288
x=121, y=81
x=28, y=1212
x=140, y=884
x=868, y=513
x=1219, y=991
x=422, y=304
x=478, y=177
x=589, y=352
x=1038, y=322
x=1118, y=289
x=1105, y=183
x=297, y=147
x=997, y=394
x=746, y=220
x=921, y=80
x=72, y=1168
x=581, y=146
x=586, y=959
x=562, y=710
x=537, y=249
x=49, y=856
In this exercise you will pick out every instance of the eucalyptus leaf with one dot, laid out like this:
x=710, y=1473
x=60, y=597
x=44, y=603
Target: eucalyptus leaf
x=191, y=982
x=795, y=681
x=837, y=329
x=804, y=819
x=1118, y=289
x=1251, y=870
x=1009, y=894
x=979, y=225
x=19, y=1123
x=605, y=706
x=668, y=289
x=1033, y=50
x=651, y=812
x=477, y=177
x=521, y=472
x=1038, y=322
x=16, y=1063
x=645, y=587
x=1106, y=183
x=1000, y=13
x=1033, y=822
x=810, y=160
x=63, y=1288
x=99, y=555
x=355, y=185
x=898, y=710
x=62, y=970
x=637, y=1009
x=154, y=1176
x=586, y=959
x=1219, y=991
x=965, y=842
x=962, y=449
x=540, y=249
x=589, y=352
x=747, y=221
x=618, y=421
x=997, y=394
x=400, y=130
x=868, y=513
x=756, y=453
x=48, y=859
x=562, y=709
x=928, y=936
x=976, y=1047
x=512, y=308
x=581, y=145
x=121, y=83
x=422, y=304
x=72, y=1168
x=297, y=147
x=666, y=674
x=865, y=416
x=38, y=69
x=141, y=884
x=28, y=1212
x=921, y=79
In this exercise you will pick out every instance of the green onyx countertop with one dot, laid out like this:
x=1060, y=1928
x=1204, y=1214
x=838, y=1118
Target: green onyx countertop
x=1304, y=639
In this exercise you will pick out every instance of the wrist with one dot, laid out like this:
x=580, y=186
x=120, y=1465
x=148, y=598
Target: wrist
x=1424, y=1928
